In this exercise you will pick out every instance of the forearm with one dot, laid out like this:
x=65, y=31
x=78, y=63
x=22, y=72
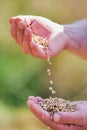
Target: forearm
x=77, y=38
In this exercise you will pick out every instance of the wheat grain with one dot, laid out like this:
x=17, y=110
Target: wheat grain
x=54, y=105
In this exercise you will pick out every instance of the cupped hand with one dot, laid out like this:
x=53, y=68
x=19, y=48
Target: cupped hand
x=63, y=120
x=77, y=118
x=22, y=28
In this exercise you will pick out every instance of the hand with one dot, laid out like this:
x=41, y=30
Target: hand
x=22, y=28
x=77, y=119
x=62, y=120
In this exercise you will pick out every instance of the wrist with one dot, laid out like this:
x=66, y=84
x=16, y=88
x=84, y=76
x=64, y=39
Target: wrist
x=61, y=32
x=70, y=37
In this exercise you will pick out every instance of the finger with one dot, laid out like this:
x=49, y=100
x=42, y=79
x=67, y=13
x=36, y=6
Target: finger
x=69, y=118
x=39, y=99
x=45, y=116
x=17, y=19
x=37, y=110
x=11, y=20
x=21, y=25
x=36, y=99
x=26, y=41
x=20, y=32
x=33, y=99
x=14, y=30
x=20, y=29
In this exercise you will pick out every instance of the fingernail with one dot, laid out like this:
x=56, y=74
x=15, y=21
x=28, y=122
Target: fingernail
x=56, y=118
x=29, y=103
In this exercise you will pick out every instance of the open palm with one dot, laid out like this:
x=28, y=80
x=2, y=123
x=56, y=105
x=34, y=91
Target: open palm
x=22, y=28
x=68, y=120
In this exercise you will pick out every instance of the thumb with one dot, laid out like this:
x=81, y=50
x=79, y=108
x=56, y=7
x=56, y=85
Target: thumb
x=69, y=118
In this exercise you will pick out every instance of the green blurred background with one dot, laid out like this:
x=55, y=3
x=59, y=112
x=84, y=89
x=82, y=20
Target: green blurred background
x=22, y=75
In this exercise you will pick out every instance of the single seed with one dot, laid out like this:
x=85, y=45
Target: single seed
x=49, y=63
x=53, y=91
x=50, y=88
x=48, y=70
x=49, y=73
x=51, y=81
x=48, y=60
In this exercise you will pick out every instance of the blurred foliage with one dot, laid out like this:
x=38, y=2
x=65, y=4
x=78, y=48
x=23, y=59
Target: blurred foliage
x=22, y=75
x=18, y=119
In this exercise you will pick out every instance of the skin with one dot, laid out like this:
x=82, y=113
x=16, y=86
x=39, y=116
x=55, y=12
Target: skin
x=73, y=38
x=22, y=28
x=62, y=120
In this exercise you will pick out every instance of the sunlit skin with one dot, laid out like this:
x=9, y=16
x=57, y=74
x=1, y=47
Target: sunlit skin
x=73, y=38
x=22, y=28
